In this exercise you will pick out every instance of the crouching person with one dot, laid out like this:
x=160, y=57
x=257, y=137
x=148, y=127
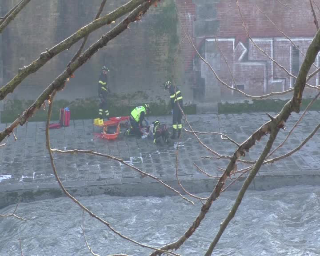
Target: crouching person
x=161, y=134
x=136, y=119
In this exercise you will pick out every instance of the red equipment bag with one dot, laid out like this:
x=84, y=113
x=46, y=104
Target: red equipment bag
x=64, y=117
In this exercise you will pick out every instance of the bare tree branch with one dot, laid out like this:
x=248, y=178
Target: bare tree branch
x=179, y=182
x=243, y=171
x=73, y=198
x=59, y=82
x=271, y=127
x=12, y=14
x=85, y=238
x=86, y=37
x=90, y=152
x=302, y=53
x=314, y=16
x=223, y=136
x=65, y=44
x=204, y=172
x=294, y=150
x=13, y=214
x=227, y=85
x=274, y=126
x=244, y=147
x=303, y=114
x=262, y=51
x=255, y=169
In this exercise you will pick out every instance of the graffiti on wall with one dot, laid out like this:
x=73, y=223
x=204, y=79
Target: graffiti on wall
x=259, y=66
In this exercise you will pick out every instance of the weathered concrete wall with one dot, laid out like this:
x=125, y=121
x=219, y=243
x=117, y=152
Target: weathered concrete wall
x=140, y=59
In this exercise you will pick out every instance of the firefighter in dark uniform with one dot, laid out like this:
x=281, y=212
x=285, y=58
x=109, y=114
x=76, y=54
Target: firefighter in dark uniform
x=176, y=101
x=136, y=118
x=160, y=133
x=103, y=92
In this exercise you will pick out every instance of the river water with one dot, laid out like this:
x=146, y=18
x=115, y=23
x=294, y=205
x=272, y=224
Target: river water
x=285, y=221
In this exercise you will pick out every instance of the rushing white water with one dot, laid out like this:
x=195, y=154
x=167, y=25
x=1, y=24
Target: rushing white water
x=278, y=222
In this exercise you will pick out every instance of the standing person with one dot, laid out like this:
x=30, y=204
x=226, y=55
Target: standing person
x=176, y=101
x=103, y=92
x=136, y=118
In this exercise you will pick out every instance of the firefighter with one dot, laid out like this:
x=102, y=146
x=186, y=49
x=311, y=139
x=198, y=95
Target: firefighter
x=136, y=118
x=176, y=103
x=160, y=133
x=103, y=91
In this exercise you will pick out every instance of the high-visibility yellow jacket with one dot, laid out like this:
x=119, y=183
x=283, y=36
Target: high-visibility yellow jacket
x=138, y=114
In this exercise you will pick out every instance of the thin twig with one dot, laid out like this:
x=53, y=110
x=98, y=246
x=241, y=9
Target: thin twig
x=295, y=125
x=223, y=136
x=59, y=82
x=73, y=198
x=266, y=54
x=177, y=177
x=12, y=14
x=138, y=5
x=204, y=172
x=302, y=53
x=227, y=85
x=143, y=174
x=315, y=20
x=269, y=161
x=20, y=245
x=274, y=126
x=85, y=238
x=13, y=214
x=243, y=171
x=87, y=36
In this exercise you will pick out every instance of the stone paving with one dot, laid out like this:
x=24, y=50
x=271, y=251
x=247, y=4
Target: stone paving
x=26, y=173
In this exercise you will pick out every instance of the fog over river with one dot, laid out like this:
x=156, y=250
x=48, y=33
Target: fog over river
x=285, y=221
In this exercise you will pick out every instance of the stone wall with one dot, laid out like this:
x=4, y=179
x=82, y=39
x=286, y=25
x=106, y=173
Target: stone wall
x=156, y=48
x=140, y=59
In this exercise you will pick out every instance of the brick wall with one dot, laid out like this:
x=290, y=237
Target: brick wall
x=250, y=67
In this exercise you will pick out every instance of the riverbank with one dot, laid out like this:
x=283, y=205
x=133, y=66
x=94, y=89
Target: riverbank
x=26, y=174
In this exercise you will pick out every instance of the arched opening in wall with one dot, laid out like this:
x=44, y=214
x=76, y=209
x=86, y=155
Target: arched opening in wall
x=295, y=63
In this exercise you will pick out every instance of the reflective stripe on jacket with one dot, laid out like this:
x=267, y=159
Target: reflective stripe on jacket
x=175, y=95
x=137, y=112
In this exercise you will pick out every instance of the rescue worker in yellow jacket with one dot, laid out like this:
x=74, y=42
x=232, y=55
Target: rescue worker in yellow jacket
x=136, y=118
x=176, y=104
x=103, y=91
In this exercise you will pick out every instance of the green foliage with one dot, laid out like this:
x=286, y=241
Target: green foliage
x=269, y=105
x=86, y=109
x=164, y=26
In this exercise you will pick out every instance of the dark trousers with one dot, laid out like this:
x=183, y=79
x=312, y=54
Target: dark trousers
x=161, y=135
x=134, y=127
x=176, y=116
x=103, y=108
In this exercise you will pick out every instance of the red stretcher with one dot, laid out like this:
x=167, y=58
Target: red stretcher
x=111, y=128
